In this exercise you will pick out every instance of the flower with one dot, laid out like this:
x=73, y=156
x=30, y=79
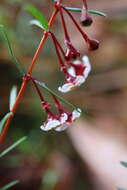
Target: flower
x=78, y=71
x=61, y=122
x=54, y=121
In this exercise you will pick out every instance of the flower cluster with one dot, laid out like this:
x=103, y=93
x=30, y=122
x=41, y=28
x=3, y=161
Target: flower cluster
x=75, y=68
x=77, y=73
x=62, y=120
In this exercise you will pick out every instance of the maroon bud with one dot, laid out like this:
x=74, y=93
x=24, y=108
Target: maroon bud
x=93, y=44
x=85, y=19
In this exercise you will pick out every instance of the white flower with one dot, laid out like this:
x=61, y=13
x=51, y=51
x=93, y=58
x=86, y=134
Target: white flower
x=78, y=72
x=63, y=121
x=52, y=122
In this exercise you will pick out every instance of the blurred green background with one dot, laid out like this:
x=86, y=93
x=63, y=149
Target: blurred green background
x=50, y=160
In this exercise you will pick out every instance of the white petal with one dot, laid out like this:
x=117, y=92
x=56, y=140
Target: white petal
x=77, y=62
x=86, y=60
x=63, y=118
x=79, y=80
x=44, y=128
x=71, y=71
x=87, y=65
x=66, y=87
x=76, y=114
x=50, y=125
x=86, y=72
x=62, y=127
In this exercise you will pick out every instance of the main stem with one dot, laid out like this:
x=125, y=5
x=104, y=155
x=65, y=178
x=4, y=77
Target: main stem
x=25, y=81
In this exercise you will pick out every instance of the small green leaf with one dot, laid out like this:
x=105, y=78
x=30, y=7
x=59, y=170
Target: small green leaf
x=14, y=59
x=3, y=121
x=12, y=146
x=124, y=164
x=43, y=85
x=90, y=11
x=121, y=189
x=9, y=185
x=97, y=13
x=13, y=95
x=38, y=15
x=73, y=9
x=36, y=23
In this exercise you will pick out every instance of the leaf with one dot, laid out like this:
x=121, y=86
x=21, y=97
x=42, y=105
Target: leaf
x=14, y=59
x=13, y=146
x=38, y=15
x=13, y=95
x=97, y=13
x=124, y=164
x=121, y=189
x=90, y=11
x=36, y=23
x=3, y=121
x=41, y=84
x=9, y=185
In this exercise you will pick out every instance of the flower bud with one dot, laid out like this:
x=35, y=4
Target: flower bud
x=93, y=44
x=85, y=19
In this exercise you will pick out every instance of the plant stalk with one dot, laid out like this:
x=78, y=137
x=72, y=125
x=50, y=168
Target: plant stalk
x=29, y=72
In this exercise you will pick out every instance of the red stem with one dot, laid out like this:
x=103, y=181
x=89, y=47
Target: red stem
x=58, y=104
x=42, y=98
x=64, y=24
x=25, y=81
x=58, y=44
x=76, y=24
x=38, y=90
x=63, y=66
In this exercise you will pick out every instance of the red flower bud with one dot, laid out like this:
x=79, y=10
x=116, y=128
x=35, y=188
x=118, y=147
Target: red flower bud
x=85, y=19
x=93, y=44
